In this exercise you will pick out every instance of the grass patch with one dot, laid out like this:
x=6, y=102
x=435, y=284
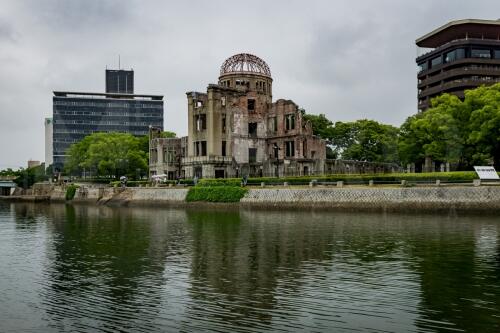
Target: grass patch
x=215, y=193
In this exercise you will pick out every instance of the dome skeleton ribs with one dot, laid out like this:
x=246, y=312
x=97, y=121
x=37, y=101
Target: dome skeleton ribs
x=245, y=63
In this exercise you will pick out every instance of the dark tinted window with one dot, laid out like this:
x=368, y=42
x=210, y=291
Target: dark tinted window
x=477, y=53
x=422, y=66
x=436, y=61
x=454, y=55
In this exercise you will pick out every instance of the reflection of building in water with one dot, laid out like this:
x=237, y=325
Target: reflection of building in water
x=175, y=270
x=235, y=128
x=240, y=259
x=116, y=257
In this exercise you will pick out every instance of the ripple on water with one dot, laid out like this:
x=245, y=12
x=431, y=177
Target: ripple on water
x=142, y=270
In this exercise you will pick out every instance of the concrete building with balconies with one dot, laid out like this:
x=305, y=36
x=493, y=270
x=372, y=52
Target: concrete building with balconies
x=460, y=55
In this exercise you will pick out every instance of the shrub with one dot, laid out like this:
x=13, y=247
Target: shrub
x=219, y=182
x=216, y=193
x=137, y=183
x=130, y=183
x=71, y=191
x=462, y=176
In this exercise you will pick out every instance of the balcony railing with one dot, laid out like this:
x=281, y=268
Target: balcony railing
x=207, y=159
x=455, y=84
x=455, y=41
x=470, y=70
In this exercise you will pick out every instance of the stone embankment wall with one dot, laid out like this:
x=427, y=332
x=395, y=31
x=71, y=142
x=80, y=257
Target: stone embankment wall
x=148, y=196
x=433, y=198
x=127, y=196
x=480, y=198
x=112, y=195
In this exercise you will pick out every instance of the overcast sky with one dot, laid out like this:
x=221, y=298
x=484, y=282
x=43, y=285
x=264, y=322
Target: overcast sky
x=347, y=59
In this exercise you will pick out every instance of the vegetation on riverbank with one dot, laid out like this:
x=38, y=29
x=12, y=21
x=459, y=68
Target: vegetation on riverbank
x=25, y=178
x=71, y=191
x=453, y=177
x=216, y=193
x=463, y=133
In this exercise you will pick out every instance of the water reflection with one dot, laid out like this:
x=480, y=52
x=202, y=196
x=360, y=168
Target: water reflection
x=131, y=269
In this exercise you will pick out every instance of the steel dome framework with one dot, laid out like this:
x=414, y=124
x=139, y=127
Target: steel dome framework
x=245, y=63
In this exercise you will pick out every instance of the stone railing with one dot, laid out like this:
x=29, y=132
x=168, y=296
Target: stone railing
x=206, y=159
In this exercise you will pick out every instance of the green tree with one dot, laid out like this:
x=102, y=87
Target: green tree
x=366, y=140
x=168, y=134
x=27, y=177
x=437, y=133
x=466, y=133
x=321, y=125
x=108, y=155
x=483, y=105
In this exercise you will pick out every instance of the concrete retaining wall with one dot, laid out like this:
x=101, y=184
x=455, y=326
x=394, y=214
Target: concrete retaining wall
x=141, y=196
x=480, y=198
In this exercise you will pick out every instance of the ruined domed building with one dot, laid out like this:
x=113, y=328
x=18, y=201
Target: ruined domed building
x=236, y=129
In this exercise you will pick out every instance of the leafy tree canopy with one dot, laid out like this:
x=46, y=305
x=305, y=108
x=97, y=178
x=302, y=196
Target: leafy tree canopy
x=109, y=155
x=466, y=133
x=364, y=140
x=25, y=178
x=168, y=134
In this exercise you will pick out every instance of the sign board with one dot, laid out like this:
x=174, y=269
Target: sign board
x=486, y=172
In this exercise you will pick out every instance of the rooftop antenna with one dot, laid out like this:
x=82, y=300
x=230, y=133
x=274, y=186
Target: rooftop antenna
x=119, y=62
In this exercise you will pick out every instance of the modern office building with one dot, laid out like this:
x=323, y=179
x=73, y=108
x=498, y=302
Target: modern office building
x=78, y=114
x=460, y=55
x=119, y=81
x=48, y=141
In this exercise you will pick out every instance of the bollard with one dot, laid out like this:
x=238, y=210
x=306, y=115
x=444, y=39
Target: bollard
x=370, y=183
x=476, y=182
x=403, y=182
x=340, y=183
x=285, y=184
x=438, y=182
x=262, y=184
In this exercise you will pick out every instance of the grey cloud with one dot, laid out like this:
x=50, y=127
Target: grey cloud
x=7, y=32
x=79, y=14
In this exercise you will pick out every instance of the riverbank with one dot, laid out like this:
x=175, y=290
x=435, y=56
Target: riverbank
x=429, y=198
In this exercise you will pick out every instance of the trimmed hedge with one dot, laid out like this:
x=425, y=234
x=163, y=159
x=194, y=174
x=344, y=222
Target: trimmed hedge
x=459, y=176
x=92, y=180
x=137, y=183
x=215, y=193
x=71, y=191
x=130, y=183
x=204, y=182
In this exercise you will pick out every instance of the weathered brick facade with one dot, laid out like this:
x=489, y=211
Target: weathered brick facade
x=236, y=129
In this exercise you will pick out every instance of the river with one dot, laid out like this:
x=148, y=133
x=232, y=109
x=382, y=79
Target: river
x=101, y=269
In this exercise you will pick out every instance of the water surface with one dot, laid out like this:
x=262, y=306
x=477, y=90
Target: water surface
x=102, y=269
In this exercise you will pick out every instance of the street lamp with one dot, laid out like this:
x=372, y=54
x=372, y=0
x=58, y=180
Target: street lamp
x=276, y=155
